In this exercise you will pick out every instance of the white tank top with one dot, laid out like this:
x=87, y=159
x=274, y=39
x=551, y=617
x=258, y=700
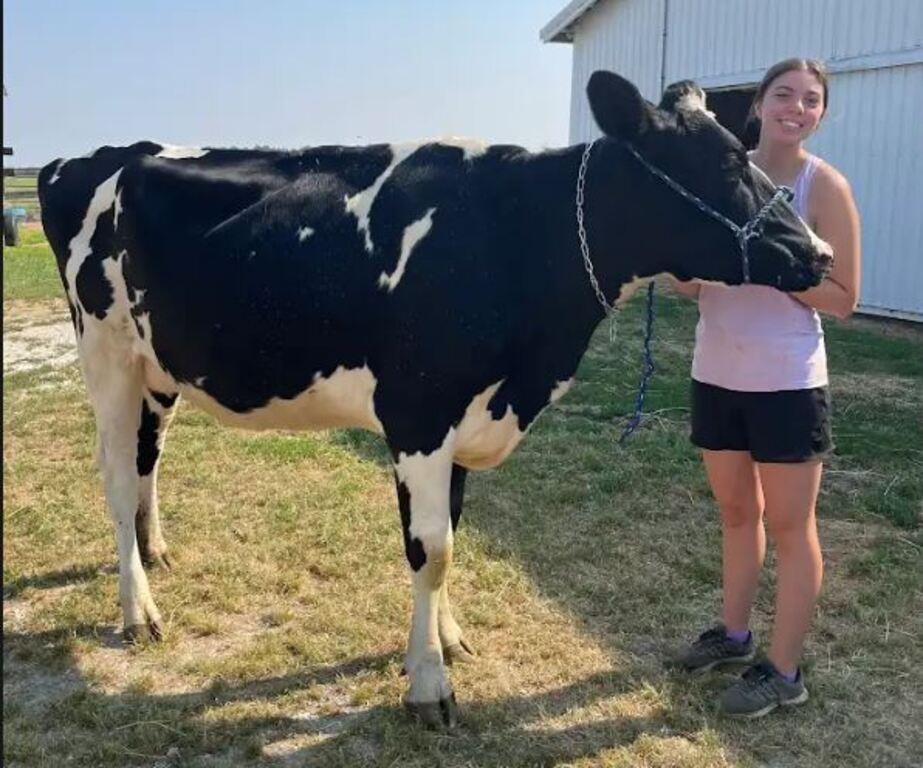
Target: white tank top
x=752, y=338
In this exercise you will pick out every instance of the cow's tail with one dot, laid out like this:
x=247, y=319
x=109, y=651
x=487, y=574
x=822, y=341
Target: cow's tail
x=51, y=205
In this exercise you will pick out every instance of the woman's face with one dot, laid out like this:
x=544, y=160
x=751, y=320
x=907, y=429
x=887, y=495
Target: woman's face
x=791, y=108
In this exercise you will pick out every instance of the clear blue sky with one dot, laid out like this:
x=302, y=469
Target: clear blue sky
x=285, y=73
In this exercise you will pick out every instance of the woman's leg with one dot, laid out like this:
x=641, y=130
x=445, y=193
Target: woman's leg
x=735, y=482
x=791, y=494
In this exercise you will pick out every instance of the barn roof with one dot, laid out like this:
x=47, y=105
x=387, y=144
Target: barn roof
x=561, y=28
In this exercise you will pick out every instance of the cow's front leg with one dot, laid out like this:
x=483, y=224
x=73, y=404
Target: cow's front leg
x=455, y=649
x=423, y=483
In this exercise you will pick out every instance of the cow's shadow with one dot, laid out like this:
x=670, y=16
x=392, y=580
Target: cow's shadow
x=350, y=736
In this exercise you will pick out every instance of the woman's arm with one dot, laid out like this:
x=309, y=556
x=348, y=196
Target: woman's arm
x=689, y=289
x=837, y=222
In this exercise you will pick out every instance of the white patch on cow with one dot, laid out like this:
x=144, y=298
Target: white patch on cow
x=79, y=247
x=821, y=246
x=561, y=389
x=428, y=495
x=57, y=172
x=693, y=101
x=471, y=147
x=173, y=152
x=484, y=441
x=343, y=399
x=628, y=289
x=112, y=270
x=304, y=233
x=360, y=204
x=412, y=235
x=200, y=382
x=118, y=209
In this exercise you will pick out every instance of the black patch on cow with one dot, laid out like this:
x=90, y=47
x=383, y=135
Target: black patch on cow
x=457, y=493
x=93, y=287
x=148, y=452
x=166, y=401
x=413, y=547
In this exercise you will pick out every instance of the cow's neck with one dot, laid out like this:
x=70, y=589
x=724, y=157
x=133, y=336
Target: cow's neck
x=545, y=209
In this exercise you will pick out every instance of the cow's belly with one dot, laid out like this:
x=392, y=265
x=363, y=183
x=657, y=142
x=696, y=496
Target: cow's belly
x=483, y=442
x=344, y=399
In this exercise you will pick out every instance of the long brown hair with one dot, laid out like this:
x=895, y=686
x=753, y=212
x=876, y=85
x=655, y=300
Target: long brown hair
x=813, y=66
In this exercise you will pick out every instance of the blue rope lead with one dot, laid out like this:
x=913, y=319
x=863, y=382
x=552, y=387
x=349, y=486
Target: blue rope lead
x=647, y=370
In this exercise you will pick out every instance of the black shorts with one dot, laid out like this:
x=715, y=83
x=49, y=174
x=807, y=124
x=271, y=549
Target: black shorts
x=775, y=427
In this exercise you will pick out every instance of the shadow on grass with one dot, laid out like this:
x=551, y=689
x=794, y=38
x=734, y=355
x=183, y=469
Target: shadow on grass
x=160, y=725
x=53, y=579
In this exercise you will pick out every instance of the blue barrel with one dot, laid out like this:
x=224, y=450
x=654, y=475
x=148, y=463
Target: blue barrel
x=11, y=219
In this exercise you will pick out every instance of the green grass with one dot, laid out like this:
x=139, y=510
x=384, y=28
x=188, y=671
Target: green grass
x=579, y=565
x=29, y=270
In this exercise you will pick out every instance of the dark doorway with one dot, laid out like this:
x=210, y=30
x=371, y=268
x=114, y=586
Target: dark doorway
x=732, y=107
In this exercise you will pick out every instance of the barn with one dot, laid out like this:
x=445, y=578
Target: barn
x=873, y=131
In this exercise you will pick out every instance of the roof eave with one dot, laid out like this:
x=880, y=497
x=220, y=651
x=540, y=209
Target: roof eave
x=561, y=28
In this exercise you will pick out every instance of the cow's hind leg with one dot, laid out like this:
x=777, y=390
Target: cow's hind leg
x=157, y=411
x=423, y=483
x=455, y=649
x=114, y=382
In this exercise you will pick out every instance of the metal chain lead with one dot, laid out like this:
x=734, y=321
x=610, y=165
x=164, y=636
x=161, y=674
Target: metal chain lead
x=608, y=309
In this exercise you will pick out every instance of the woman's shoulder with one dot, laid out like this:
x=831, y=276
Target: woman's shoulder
x=829, y=179
x=830, y=195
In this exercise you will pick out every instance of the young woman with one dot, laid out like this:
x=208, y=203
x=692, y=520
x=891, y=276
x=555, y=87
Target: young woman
x=761, y=406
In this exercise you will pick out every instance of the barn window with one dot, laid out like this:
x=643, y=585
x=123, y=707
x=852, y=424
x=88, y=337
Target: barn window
x=732, y=107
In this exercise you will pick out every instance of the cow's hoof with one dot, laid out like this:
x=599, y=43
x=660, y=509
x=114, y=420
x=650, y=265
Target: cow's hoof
x=158, y=560
x=458, y=653
x=435, y=714
x=140, y=634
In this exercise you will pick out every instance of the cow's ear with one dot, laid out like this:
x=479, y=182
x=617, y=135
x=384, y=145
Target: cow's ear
x=618, y=107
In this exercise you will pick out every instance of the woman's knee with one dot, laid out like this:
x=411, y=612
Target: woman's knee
x=792, y=530
x=740, y=513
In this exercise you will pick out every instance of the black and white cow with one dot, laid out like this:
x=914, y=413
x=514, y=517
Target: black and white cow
x=433, y=293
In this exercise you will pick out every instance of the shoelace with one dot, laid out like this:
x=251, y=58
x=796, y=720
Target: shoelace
x=760, y=677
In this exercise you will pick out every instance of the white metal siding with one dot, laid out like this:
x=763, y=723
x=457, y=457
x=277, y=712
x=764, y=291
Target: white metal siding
x=625, y=37
x=710, y=38
x=874, y=134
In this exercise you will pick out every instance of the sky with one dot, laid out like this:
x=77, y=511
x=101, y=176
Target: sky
x=283, y=73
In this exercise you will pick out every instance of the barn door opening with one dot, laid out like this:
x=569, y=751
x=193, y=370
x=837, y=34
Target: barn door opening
x=732, y=107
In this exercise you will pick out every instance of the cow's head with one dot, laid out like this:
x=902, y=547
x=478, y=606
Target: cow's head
x=667, y=232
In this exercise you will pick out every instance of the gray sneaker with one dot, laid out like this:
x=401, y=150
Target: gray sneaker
x=760, y=690
x=712, y=649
